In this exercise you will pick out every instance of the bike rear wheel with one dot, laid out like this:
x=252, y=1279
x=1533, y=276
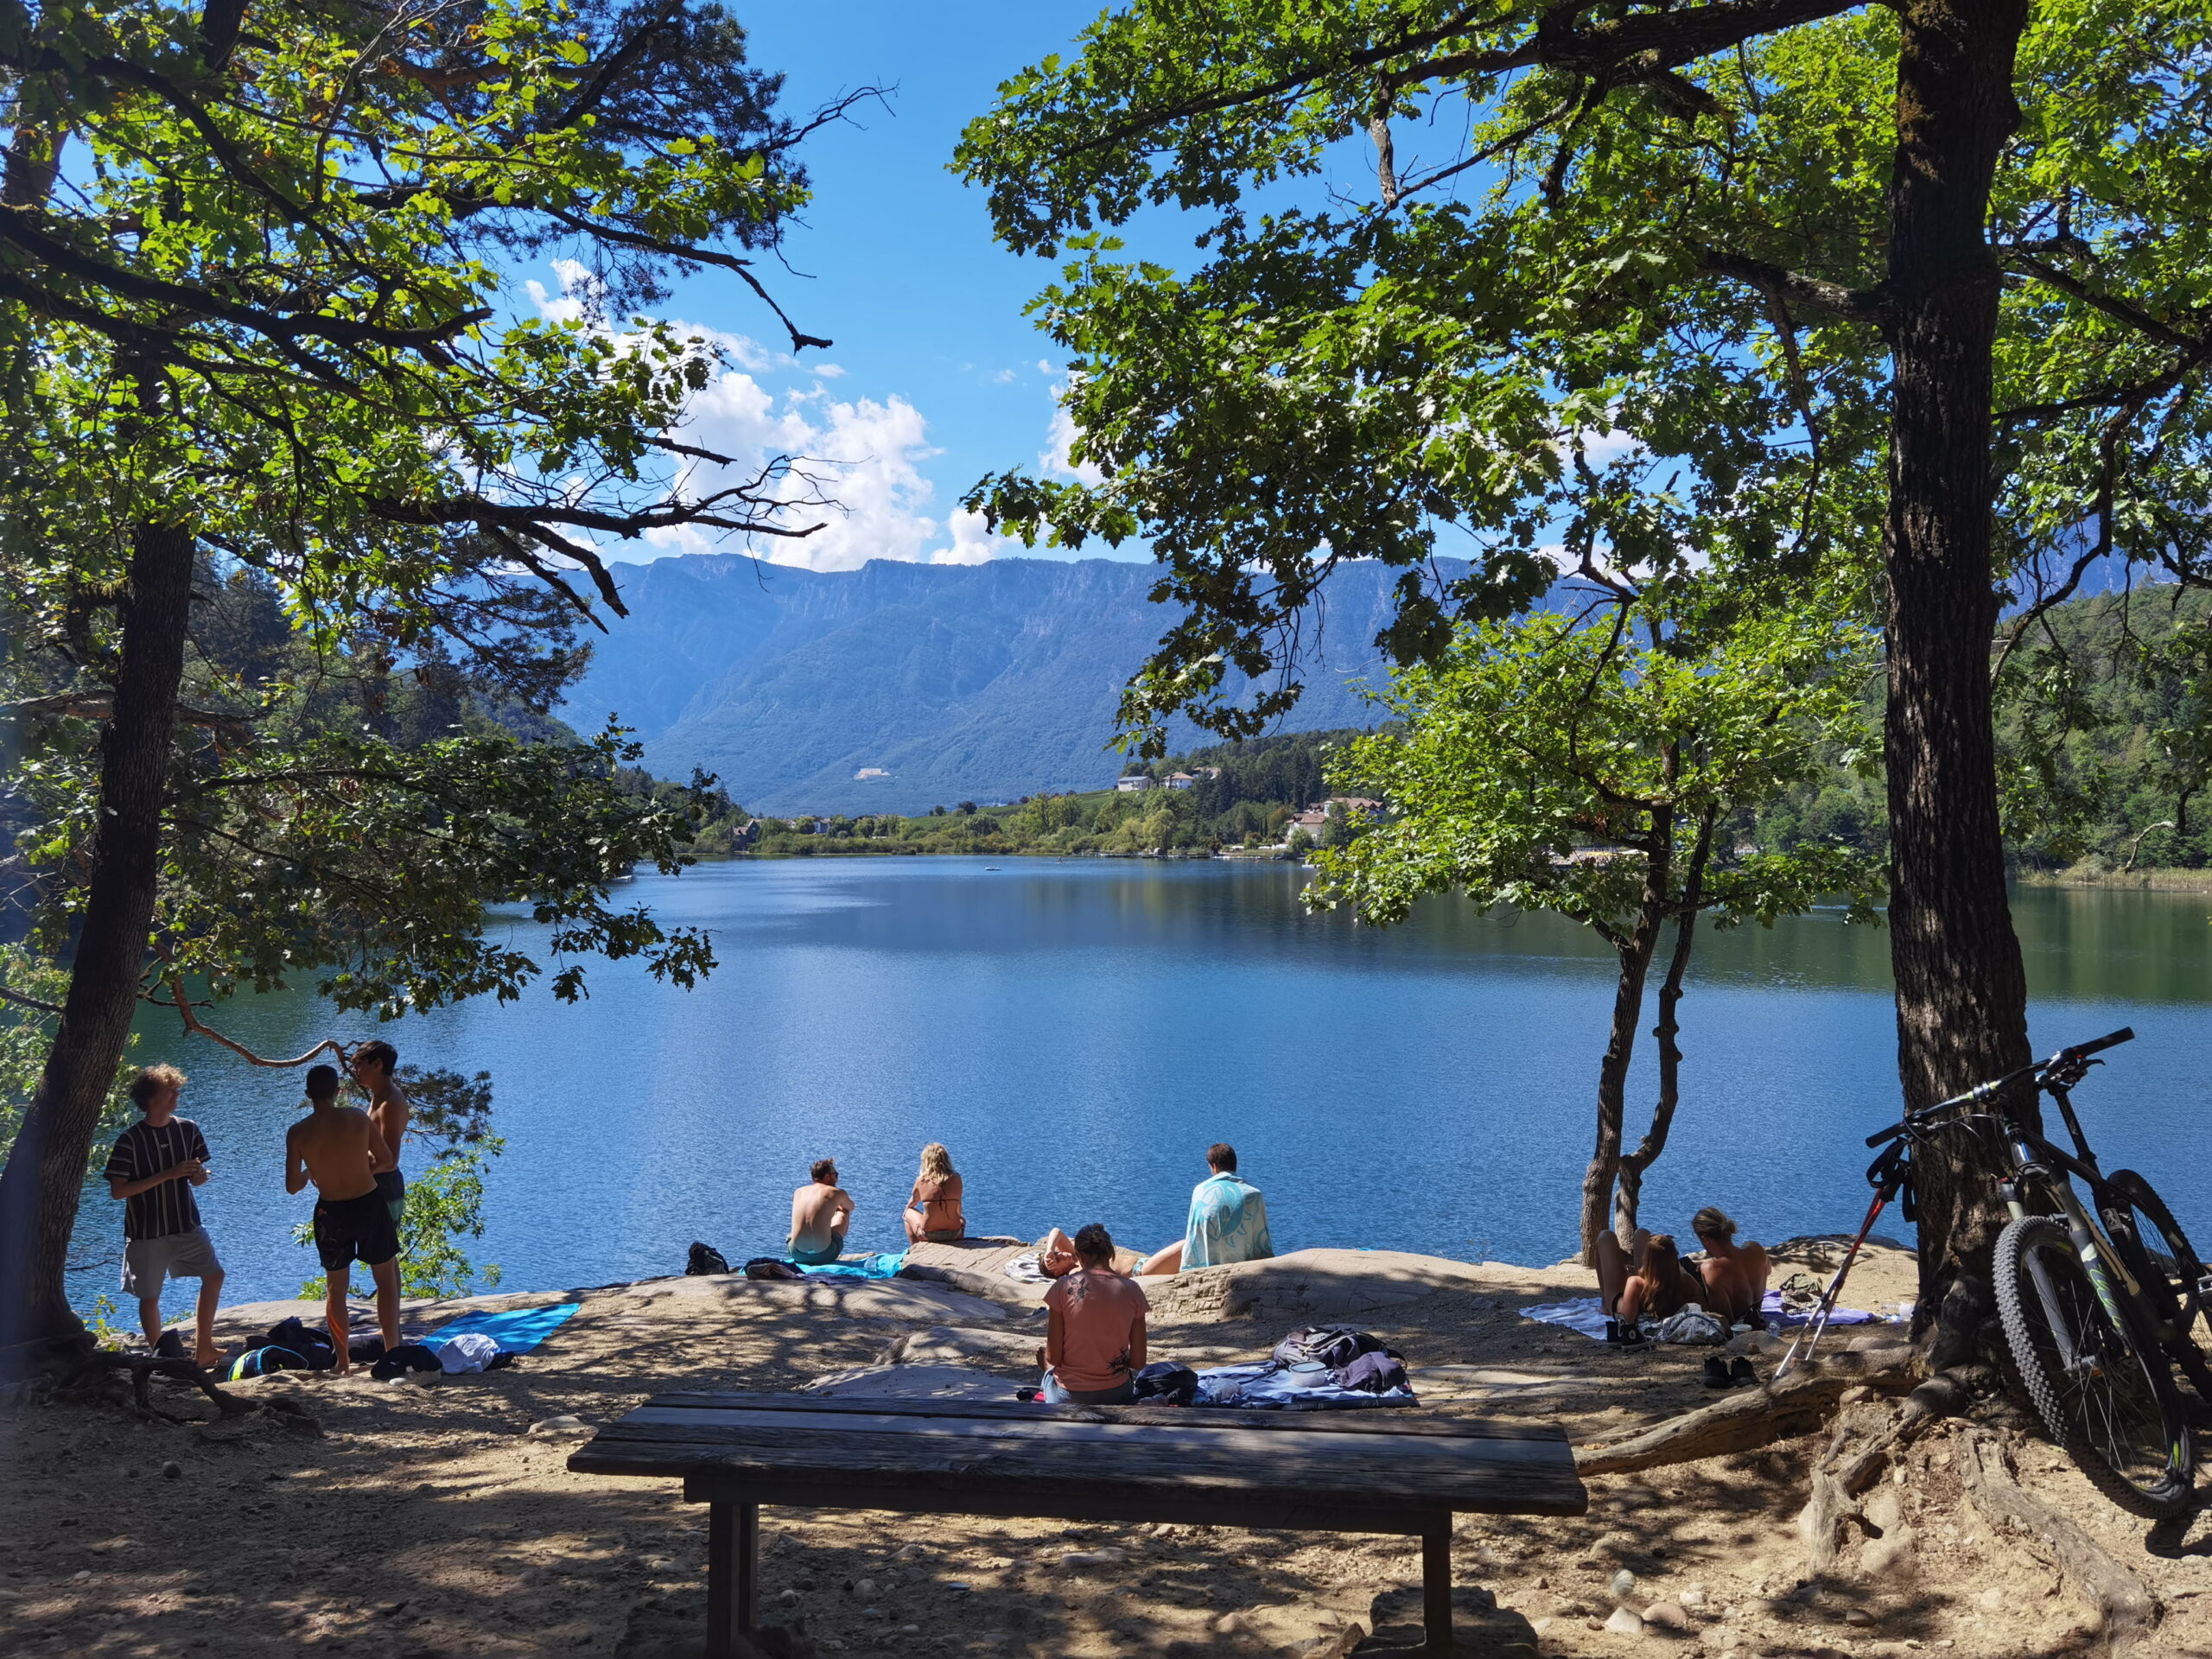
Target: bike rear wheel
x=2159, y=1255
x=2107, y=1397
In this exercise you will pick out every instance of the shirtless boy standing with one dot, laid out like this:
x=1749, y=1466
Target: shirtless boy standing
x=821, y=1211
x=388, y=1109
x=339, y=1149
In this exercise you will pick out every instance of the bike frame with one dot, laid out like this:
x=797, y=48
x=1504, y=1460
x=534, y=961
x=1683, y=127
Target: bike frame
x=2035, y=1160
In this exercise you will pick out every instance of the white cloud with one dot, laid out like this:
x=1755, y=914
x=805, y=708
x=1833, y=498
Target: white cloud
x=854, y=467
x=1053, y=459
x=1043, y=366
x=973, y=541
x=1003, y=378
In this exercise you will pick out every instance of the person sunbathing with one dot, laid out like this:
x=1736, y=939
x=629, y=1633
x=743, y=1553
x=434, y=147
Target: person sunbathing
x=933, y=1212
x=1734, y=1275
x=821, y=1211
x=1647, y=1281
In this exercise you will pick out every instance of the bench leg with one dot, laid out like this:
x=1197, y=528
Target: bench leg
x=1436, y=1589
x=733, y=1554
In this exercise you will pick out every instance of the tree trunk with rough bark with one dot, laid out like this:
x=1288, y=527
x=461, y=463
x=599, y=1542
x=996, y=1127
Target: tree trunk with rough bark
x=1962, y=995
x=46, y=1169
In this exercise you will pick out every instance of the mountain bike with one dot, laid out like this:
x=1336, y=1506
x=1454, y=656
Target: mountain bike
x=2100, y=1301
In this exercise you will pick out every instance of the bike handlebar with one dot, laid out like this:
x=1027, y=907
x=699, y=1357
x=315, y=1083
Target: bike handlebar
x=1982, y=1091
x=2097, y=1045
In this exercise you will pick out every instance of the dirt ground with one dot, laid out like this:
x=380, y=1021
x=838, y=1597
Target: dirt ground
x=435, y=1519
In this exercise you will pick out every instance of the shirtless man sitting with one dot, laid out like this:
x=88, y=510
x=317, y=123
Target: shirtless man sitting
x=821, y=1210
x=1734, y=1275
x=339, y=1150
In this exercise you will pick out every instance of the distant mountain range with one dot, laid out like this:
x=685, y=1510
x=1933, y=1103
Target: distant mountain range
x=940, y=683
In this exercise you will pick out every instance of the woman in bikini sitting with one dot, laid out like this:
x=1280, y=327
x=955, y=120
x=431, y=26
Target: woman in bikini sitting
x=933, y=1213
x=1654, y=1286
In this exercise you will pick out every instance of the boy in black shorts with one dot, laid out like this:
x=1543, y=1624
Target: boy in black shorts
x=337, y=1149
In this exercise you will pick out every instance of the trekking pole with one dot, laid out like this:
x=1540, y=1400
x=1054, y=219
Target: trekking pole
x=1893, y=1171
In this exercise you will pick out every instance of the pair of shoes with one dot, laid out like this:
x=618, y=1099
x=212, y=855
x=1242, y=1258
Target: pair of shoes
x=1730, y=1374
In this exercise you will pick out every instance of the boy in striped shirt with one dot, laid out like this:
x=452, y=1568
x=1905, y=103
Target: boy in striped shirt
x=155, y=1165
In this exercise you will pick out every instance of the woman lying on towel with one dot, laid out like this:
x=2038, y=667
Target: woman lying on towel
x=1657, y=1284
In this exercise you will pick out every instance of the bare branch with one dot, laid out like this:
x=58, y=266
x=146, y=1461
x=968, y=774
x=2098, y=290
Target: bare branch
x=192, y=1023
x=21, y=1001
x=1869, y=305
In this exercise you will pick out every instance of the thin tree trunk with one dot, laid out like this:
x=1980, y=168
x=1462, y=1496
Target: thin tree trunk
x=1962, y=995
x=1629, y=1182
x=46, y=1169
x=1635, y=950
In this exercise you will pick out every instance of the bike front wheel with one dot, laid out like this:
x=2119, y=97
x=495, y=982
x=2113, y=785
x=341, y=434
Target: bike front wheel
x=2159, y=1254
x=2107, y=1397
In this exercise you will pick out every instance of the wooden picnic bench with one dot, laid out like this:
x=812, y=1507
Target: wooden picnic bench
x=1392, y=1470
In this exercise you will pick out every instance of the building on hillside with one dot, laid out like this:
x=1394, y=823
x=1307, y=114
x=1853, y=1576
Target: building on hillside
x=866, y=773
x=1133, y=782
x=1357, y=803
x=1181, y=779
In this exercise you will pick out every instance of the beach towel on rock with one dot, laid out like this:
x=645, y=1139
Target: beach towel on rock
x=1227, y=1224
x=516, y=1330
x=1583, y=1314
x=1783, y=1318
x=1029, y=1268
x=884, y=1264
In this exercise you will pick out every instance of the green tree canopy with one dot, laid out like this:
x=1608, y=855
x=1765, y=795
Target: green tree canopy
x=256, y=261
x=1599, y=768
x=1781, y=281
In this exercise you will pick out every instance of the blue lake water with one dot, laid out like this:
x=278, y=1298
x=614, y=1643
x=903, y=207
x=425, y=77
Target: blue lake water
x=1078, y=1034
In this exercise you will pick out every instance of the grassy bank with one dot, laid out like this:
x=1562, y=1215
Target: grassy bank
x=2090, y=872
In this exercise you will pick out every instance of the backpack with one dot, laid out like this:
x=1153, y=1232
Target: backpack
x=705, y=1258
x=1333, y=1346
x=260, y=1361
x=313, y=1348
x=1693, y=1324
x=770, y=1267
x=1167, y=1385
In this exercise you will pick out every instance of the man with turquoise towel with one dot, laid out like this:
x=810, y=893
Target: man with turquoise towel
x=1227, y=1224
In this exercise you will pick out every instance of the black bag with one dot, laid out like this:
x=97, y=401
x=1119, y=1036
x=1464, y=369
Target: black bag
x=1333, y=1346
x=705, y=1258
x=1167, y=1385
x=770, y=1267
x=314, y=1347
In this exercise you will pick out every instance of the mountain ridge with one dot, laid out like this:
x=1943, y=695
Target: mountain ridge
x=981, y=681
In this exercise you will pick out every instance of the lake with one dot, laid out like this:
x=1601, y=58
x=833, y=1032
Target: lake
x=1078, y=1034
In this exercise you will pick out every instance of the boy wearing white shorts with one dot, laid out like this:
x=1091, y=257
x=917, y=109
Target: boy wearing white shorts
x=153, y=1167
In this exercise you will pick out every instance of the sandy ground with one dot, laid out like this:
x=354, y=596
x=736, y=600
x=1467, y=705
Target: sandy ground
x=427, y=1518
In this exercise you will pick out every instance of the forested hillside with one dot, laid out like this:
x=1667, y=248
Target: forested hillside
x=2105, y=742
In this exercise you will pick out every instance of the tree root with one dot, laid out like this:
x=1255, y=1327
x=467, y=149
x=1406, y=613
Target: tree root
x=2126, y=1611
x=141, y=1369
x=1800, y=1404
x=1843, y=1473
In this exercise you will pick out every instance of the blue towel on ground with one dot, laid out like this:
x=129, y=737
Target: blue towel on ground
x=517, y=1330
x=883, y=1264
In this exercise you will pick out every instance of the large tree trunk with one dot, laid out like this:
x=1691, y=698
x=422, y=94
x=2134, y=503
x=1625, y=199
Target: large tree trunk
x=1961, y=991
x=45, y=1170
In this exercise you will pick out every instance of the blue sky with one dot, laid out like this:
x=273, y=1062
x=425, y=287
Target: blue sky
x=937, y=378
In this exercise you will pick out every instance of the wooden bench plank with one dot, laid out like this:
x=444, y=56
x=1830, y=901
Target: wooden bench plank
x=1538, y=1485
x=1379, y=1420
x=1187, y=1439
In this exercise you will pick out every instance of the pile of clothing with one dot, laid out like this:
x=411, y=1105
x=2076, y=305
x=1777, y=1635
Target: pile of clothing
x=293, y=1346
x=1315, y=1368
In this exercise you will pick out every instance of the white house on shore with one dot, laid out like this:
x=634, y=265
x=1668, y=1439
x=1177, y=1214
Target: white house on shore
x=1132, y=784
